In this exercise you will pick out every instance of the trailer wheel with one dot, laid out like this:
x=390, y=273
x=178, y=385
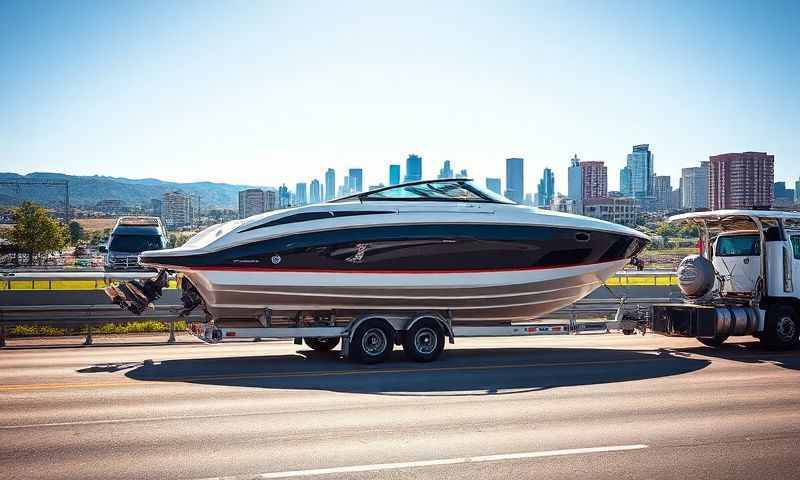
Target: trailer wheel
x=713, y=341
x=781, y=328
x=372, y=341
x=322, y=344
x=424, y=341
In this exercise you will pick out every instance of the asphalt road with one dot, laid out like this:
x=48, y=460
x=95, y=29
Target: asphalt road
x=592, y=406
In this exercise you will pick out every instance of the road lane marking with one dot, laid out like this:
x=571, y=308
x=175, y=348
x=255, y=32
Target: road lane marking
x=311, y=374
x=432, y=463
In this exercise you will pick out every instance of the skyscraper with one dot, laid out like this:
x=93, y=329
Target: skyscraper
x=515, y=180
x=446, y=171
x=284, y=200
x=741, y=180
x=394, y=174
x=300, y=194
x=694, y=187
x=625, y=182
x=315, y=195
x=662, y=189
x=594, y=180
x=784, y=197
x=493, y=184
x=330, y=184
x=270, y=200
x=575, y=184
x=178, y=210
x=640, y=168
x=546, y=190
x=413, y=168
x=356, y=180
x=462, y=173
x=251, y=202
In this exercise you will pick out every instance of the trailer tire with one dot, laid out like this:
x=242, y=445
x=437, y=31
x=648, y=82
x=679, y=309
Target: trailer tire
x=372, y=341
x=713, y=341
x=321, y=344
x=424, y=341
x=781, y=328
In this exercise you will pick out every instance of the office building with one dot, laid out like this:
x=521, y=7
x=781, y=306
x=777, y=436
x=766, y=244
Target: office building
x=462, y=173
x=413, y=168
x=178, y=210
x=315, y=192
x=662, y=191
x=622, y=210
x=694, y=187
x=594, y=180
x=575, y=184
x=741, y=180
x=625, y=182
x=545, y=192
x=564, y=204
x=154, y=209
x=330, y=184
x=515, y=180
x=446, y=171
x=270, y=200
x=784, y=197
x=494, y=185
x=638, y=179
x=300, y=194
x=356, y=180
x=797, y=192
x=394, y=174
x=284, y=199
x=252, y=202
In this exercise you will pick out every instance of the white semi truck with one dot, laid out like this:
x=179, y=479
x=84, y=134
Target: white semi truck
x=746, y=282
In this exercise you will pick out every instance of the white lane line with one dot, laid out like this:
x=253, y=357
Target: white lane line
x=430, y=463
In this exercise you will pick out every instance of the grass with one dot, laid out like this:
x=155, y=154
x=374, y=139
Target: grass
x=58, y=284
x=139, y=326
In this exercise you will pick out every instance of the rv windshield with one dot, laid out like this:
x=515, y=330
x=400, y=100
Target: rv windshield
x=739, y=246
x=135, y=243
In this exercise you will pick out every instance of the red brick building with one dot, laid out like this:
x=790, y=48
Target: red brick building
x=594, y=177
x=741, y=180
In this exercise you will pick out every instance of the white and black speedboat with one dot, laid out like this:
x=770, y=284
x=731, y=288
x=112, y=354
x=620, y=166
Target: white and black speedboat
x=440, y=245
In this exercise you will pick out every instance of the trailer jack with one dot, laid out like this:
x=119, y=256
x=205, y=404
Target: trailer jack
x=136, y=296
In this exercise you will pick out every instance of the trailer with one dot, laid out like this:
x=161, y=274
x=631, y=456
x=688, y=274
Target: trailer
x=746, y=280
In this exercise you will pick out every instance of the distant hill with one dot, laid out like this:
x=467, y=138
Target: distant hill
x=88, y=190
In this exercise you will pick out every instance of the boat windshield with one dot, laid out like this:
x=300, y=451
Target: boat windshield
x=441, y=191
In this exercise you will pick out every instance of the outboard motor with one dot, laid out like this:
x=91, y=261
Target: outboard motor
x=136, y=296
x=696, y=276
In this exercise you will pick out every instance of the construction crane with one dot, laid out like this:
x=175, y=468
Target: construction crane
x=49, y=183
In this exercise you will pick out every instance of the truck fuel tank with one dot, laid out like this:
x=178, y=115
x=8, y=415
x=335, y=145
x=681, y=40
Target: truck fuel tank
x=704, y=321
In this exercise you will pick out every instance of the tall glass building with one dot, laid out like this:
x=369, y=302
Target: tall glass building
x=394, y=174
x=413, y=168
x=356, y=180
x=330, y=184
x=314, y=192
x=545, y=192
x=493, y=184
x=300, y=194
x=640, y=165
x=446, y=171
x=575, y=183
x=515, y=180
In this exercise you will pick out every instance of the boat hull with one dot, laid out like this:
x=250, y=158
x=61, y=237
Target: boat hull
x=242, y=298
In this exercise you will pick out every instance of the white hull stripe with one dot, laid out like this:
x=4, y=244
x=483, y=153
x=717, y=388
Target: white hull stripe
x=432, y=463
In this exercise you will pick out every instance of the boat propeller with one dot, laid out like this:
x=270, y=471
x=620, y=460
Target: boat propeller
x=136, y=296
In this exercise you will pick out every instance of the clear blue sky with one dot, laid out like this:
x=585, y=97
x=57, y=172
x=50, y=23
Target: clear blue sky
x=265, y=93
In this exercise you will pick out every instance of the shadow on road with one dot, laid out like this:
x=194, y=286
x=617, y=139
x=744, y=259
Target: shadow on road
x=746, y=352
x=460, y=372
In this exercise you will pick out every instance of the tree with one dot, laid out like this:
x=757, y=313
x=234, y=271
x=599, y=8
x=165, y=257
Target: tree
x=35, y=231
x=76, y=232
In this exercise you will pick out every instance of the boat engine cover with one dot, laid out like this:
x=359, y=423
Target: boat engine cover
x=695, y=276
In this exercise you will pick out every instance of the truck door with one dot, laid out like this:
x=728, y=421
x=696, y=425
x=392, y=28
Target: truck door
x=737, y=259
x=795, y=238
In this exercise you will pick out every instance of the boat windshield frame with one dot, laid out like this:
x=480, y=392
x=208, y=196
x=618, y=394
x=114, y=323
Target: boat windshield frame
x=481, y=195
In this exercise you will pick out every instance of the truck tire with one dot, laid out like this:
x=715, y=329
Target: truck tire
x=322, y=344
x=781, y=328
x=424, y=341
x=713, y=341
x=372, y=341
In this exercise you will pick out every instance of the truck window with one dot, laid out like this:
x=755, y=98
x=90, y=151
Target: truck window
x=135, y=243
x=796, y=246
x=739, y=246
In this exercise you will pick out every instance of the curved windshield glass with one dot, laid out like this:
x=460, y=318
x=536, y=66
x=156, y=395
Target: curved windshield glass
x=135, y=243
x=446, y=190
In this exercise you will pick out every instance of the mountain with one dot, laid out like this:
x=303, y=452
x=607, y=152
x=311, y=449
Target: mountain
x=88, y=190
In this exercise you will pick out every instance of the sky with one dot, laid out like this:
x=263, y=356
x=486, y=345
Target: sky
x=264, y=93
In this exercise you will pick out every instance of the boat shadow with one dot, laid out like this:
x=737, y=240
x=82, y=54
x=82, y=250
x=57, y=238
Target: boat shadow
x=460, y=372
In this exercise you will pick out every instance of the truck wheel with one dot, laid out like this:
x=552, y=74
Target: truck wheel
x=424, y=341
x=781, y=328
x=713, y=341
x=322, y=344
x=372, y=341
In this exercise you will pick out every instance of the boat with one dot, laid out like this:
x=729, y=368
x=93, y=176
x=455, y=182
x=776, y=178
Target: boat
x=445, y=246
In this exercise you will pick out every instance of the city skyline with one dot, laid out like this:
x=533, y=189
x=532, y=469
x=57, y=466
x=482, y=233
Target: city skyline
x=172, y=93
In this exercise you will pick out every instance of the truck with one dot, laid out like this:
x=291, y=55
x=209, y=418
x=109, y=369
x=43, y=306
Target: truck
x=131, y=236
x=745, y=281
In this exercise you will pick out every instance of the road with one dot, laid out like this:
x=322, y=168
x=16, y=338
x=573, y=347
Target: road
x=598, y=406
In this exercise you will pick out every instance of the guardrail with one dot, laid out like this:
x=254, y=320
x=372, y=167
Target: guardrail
x=96, y=280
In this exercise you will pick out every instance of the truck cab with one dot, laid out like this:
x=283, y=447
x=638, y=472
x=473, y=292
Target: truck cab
x=746, y=283
x=130, y=237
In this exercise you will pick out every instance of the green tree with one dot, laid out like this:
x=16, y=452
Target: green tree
x=76, y=232
x=35, y=231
